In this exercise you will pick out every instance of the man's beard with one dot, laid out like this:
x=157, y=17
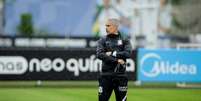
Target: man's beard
x=108, y=32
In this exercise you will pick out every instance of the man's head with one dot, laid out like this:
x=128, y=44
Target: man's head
x=112, y=26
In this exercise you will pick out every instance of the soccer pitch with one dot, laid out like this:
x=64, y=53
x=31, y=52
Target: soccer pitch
x=90, y=94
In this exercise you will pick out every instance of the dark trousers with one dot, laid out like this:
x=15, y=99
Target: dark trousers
x=109, y=83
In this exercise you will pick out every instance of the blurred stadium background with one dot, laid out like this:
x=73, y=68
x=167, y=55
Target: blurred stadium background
x=47, y=48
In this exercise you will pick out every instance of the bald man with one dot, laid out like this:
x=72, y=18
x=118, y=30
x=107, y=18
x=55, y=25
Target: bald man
x=113, y=50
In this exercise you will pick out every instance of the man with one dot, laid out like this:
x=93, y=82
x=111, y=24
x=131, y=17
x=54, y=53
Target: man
x=113, y=50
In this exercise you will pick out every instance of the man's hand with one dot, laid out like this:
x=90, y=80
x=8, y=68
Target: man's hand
x=114, y=53
x=108, y=53
x=121, y=61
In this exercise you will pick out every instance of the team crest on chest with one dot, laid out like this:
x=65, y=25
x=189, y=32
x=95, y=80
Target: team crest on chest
x=119, y=42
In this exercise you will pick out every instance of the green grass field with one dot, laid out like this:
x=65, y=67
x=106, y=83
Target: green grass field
x=90, y=94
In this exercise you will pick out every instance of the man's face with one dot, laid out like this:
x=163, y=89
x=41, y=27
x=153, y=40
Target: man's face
x=110, y=28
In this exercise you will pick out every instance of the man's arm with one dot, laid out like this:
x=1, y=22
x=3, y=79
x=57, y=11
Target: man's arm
x=101, y=53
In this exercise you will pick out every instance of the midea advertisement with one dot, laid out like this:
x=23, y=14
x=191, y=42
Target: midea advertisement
x=169, y=65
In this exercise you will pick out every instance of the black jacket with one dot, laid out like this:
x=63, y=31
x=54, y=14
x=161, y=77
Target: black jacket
x=112, y=43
